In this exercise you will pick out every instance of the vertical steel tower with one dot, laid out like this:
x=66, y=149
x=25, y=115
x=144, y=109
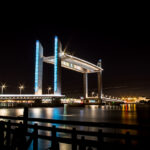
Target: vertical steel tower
x=57, y=66
x=38, y=68
x=99, y=75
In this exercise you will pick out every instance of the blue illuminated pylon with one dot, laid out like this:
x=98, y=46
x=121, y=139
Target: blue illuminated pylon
x=55, y=62
x=38, y=68
x=57, y=67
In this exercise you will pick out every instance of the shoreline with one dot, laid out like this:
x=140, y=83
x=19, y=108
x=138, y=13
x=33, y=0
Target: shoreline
x=61, y=105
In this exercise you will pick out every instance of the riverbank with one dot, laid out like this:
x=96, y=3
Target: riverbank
x=41, y=105
x=29, y=105
x=21, y=105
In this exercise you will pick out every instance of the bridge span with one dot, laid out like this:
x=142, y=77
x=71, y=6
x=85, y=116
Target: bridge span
x=61, y=59
x=52, y=96
x=28, y=96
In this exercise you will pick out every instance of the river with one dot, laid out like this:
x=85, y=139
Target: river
x=126, y=114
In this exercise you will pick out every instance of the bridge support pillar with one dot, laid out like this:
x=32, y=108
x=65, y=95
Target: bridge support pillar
x=38, y=68
x=85, y=85
x=99, y=75
x=57, y=66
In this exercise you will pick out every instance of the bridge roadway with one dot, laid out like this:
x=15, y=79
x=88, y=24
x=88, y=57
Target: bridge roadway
x=28, y=96
x=106, y=99
x=48, y=96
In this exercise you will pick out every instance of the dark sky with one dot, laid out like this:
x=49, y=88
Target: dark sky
x=119, y=37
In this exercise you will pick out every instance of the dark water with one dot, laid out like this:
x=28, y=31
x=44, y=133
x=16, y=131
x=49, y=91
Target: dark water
x=126, y=114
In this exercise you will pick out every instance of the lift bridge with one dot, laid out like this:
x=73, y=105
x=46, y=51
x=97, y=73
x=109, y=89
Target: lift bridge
x=60, y=59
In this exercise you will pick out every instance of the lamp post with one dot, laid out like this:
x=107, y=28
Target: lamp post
x=21, y=87
x=2, y=88
x=49, y=88
x=93, y=93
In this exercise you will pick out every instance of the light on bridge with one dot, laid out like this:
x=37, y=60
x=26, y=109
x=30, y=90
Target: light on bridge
x=21, y=87
x=2, y=88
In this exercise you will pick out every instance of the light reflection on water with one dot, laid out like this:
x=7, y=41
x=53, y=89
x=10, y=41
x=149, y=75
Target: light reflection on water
x=126, y=114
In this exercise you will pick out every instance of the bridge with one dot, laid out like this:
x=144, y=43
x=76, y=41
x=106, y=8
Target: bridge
x=60, y=59
x=26, y=97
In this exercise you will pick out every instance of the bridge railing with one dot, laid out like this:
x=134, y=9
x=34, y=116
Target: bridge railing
x=12, y=131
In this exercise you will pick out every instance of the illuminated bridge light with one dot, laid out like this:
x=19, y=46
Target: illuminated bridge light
x=71, y=65
x=36, y=66
x=77, y=67
x=65, y=63
x=55, y=62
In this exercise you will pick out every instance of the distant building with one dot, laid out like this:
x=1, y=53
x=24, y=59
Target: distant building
x=142, y=98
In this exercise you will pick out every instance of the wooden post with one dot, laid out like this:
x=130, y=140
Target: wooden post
x=74, y=139
x=55, y=144
x=8, y=134
x=1, y=134
x=128, y=140
x=82, y=144
x=35, y=138
x=25, y=119
x=100, y=139
x=19, y=138
x=22, y=135
x=53, y=137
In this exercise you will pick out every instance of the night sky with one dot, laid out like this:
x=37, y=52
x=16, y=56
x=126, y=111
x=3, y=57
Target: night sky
x=120, y=39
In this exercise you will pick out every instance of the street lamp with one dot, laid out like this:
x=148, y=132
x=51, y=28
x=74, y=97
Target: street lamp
x=93, y=93
x=21, y=87
x=2, y=88
x=49, y=88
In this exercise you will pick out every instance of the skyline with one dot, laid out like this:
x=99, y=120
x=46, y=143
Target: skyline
x=123, y=50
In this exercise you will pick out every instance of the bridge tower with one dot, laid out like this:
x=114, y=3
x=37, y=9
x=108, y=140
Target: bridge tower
x=85, y=84
x=57, y=66
x=38, y=69
x=99, y=75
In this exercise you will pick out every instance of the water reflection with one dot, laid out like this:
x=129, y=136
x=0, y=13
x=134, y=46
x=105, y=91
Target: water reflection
x=36, y=112
x=4, y=112
x=129, y=114
x=11, y=112
x=126, y=113
x=65, y=109
x=65, y=146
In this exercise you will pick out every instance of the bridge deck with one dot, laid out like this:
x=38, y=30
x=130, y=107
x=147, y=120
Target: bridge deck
x=74, y=63
x=29, y=96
